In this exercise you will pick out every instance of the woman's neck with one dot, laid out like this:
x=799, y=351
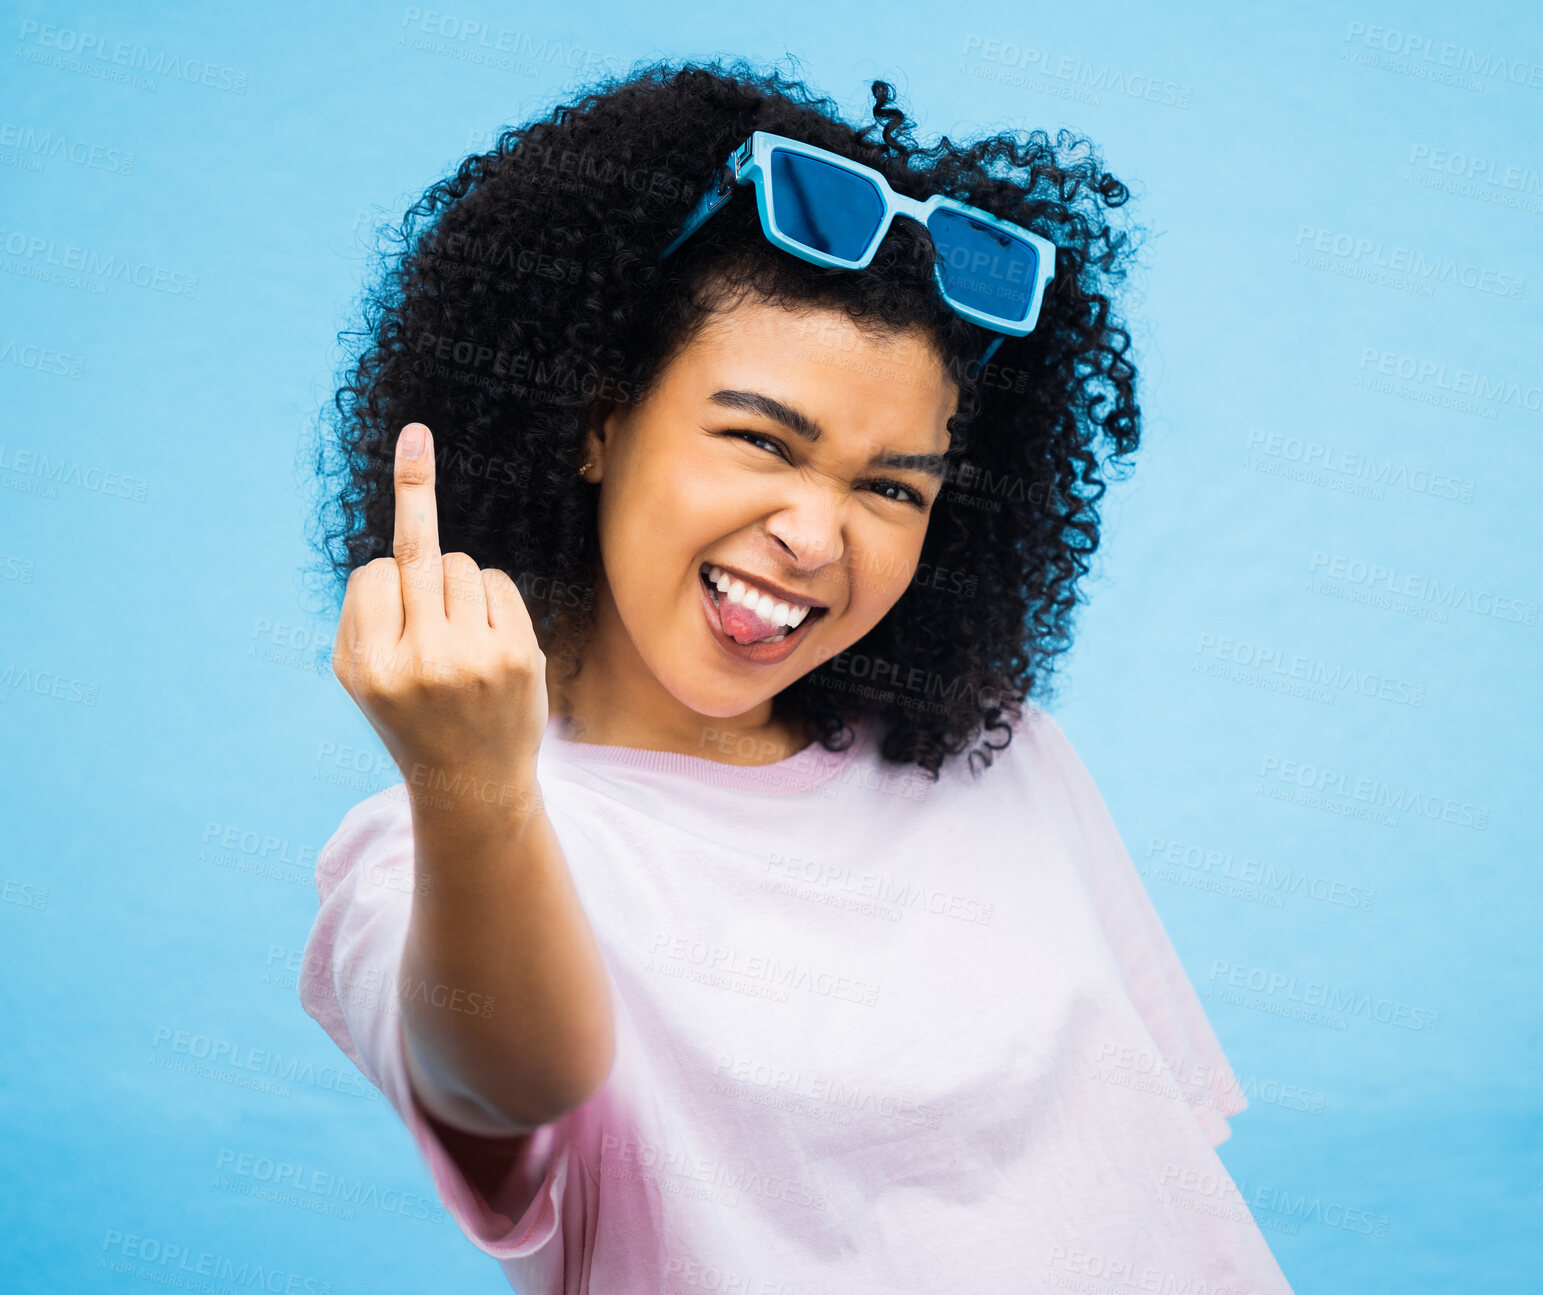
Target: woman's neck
x=592, y=707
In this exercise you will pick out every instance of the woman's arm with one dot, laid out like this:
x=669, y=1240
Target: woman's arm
x=505, y=1007
x=504, y=1188
x=496, y=914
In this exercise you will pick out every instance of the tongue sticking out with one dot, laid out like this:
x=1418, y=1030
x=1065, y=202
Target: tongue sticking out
x=744, y=625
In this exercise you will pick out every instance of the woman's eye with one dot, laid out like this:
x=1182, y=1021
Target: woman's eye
x=755, y=438
x=906, y=493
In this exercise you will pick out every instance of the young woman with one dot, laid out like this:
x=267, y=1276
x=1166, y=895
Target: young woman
x=738, y=923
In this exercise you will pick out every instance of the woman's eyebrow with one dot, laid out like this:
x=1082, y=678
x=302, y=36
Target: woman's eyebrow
x=795, y=420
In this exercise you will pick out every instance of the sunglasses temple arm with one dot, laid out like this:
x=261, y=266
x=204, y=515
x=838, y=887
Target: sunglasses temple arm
x=721, y=191
x=990, y=351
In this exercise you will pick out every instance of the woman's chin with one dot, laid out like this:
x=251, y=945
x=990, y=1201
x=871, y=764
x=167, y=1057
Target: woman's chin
x=714, y=689
x=713, y=704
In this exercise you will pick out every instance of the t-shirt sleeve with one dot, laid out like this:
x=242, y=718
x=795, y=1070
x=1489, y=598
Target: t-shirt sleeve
x=1156, y=980
x=348, y=979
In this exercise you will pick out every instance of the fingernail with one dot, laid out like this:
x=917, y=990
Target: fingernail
x=412, y=442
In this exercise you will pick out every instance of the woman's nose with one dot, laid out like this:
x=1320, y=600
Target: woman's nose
x=810, y=532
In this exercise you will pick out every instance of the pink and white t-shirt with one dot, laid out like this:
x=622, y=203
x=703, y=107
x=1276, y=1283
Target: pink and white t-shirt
x=873, y=1034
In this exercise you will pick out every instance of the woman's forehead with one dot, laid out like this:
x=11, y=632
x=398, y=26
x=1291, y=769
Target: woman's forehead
x=831, y=376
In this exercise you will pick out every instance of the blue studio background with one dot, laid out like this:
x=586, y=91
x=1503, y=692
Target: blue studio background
x=1306, y=680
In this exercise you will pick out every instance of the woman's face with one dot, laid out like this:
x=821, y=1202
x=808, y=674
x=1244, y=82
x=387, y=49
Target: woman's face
x=795, y=455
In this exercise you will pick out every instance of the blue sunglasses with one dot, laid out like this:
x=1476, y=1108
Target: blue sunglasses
x=833, y=211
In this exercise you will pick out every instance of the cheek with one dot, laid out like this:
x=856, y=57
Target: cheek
x=880, y=577
x=635, y=514
x=675, y=494
x=652, y=527
x=878, y=600
x=679, y=513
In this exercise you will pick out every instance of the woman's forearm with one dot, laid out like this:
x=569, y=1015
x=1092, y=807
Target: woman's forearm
x=495, y=915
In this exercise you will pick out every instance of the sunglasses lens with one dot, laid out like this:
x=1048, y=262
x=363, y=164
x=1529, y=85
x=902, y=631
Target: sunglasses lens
x=984, y=268
x=822, y=206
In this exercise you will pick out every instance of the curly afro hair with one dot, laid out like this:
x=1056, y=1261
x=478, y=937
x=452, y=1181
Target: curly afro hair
x=525, y=299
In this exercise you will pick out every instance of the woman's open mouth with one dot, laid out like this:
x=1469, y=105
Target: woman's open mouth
x=751, y=625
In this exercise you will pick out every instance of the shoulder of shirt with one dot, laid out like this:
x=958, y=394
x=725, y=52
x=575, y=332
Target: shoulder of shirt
x=1039, y=767
x=1036, y=741
x=388, y=811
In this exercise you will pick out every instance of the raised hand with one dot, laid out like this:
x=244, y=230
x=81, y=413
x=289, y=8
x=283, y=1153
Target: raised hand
x=442, y=658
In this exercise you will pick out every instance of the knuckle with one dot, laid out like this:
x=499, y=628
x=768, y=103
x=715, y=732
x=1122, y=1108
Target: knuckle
x=462, y=583
x=519, y=657
x=392, y=681
x=500, y=586
x=366, y=576
x=414, y=472
x=412, y=551
x=460, y=566
x=503, y=593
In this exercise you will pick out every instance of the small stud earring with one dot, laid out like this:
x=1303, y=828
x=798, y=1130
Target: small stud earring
x=588, y=464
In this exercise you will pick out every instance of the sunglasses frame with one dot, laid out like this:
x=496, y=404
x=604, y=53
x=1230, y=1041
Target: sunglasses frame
x=750, y=163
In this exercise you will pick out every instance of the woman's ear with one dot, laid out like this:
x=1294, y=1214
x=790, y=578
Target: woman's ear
x=587, y=457
x=593, y=445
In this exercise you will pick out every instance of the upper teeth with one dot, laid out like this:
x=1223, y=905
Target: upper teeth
x=763, y=605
